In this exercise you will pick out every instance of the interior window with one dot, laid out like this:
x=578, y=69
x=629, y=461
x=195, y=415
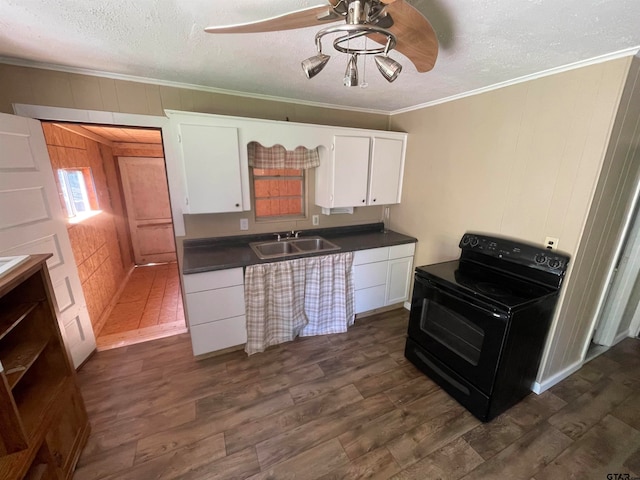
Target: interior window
x=78, y=193
x=278, y=192
x=279, y=180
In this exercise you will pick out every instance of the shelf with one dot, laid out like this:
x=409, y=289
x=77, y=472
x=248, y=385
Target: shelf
x=35, y=402
x=37, y=472
x=17, y=360
x=13, y=316
x=43, y=421
x=13, y=465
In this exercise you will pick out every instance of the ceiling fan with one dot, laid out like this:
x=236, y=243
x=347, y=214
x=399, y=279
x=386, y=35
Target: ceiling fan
x=394, y=24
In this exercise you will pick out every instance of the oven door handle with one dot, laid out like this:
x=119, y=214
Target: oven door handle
x=501, y=316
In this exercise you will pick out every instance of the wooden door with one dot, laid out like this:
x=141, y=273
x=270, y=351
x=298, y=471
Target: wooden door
x=144, y=181
x=32, y=221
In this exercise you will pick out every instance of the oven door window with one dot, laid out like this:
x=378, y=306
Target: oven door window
x=463, y=334
x=452, y=330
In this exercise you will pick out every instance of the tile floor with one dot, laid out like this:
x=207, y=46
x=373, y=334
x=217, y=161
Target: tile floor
x=149, y=307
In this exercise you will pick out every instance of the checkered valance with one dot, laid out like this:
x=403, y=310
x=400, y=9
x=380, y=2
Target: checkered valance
x=278, y=157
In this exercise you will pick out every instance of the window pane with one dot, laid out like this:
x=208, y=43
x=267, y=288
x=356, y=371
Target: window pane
x=77, y=191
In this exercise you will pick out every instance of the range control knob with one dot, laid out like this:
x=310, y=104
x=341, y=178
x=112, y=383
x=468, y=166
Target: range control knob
x=540, y=259
x=555, y=263
x=473, y=241
x=465, y=240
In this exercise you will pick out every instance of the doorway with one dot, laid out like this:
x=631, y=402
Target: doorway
x=113, y=185
x=619, y=315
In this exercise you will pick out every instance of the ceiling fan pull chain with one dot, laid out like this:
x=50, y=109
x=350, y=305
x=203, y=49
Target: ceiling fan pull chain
x=364, y=83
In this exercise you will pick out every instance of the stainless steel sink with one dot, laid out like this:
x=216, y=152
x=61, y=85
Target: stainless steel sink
x=313, y=244
x=292, y=246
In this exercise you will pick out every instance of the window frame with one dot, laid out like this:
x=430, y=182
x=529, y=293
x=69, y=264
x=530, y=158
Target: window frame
x=304, y=177
x=87, y=191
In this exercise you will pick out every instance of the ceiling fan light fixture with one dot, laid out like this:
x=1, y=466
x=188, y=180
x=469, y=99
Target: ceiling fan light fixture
x=314, y=65
x=351, y=74
x=389, y=68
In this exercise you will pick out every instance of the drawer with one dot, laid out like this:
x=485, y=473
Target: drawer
x=399, y=251
x=197, y=282
x=369, y=298
x=212, y=305
x=370, y=275
x=371, y=255
x=213, y=336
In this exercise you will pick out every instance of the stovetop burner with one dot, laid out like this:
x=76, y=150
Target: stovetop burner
x=490, y=285
x=493, y=289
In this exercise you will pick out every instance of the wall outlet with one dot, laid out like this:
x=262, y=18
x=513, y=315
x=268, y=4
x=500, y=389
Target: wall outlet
x=551, y=243
x=315, y=220
x=244, y=224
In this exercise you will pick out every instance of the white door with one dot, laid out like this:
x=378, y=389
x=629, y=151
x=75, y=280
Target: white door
x=32, y=221
x=144, y=181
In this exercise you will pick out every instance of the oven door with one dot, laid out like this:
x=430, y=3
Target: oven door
x=463, y=333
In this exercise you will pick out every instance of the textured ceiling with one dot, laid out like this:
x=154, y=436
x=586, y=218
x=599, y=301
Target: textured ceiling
x=482, y=43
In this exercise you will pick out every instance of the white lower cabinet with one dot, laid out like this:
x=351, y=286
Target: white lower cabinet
x=215, y=309
x=382, y=276
x=215, y=300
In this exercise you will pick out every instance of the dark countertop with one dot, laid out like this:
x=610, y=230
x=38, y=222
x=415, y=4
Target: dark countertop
x=203, y=255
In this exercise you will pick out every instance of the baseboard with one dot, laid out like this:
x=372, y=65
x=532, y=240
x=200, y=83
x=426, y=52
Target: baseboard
x=145, y=334
x=99, y=325
x=622, y=336
x=539, y=387
x=376, y=311
x=407, y=305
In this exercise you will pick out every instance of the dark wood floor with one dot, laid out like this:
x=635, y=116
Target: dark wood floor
x=345, y=406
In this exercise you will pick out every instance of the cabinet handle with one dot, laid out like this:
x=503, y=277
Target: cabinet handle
x=362, y=201
x=374, y=199
x=237, y=204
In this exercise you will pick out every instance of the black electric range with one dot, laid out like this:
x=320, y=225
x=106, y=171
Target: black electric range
x=478, y=324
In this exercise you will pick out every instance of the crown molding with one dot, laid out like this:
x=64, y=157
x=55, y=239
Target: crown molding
x=629, y=52
x=190, y=86
x=167, y=83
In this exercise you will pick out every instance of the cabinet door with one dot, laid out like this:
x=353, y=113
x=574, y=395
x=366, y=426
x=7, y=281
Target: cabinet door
x=351, y=170
x=387, y=165
x=398, y=280
x=369, y=299
x=212, y=305
x=211, y=159
x=213, y=336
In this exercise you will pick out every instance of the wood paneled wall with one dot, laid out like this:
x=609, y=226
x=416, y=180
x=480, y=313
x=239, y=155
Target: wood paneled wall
x=95, y=240
x=524, y=162
x=72, y=90
x=602, y=232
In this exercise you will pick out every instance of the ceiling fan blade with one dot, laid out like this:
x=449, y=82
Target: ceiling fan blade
x=415, y=36
x=307, y=17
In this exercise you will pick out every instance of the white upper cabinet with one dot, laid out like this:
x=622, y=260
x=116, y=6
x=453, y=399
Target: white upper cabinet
x=212, y=168
x=362, y=170
x=357, y=167
x=385, y=174
x=351, y=167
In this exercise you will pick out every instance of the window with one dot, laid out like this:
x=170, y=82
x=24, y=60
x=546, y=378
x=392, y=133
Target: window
x=278, y=192
x=279, y=180
x=78, y=193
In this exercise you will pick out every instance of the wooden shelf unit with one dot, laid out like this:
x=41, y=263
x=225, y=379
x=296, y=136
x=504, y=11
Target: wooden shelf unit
x=43, y=421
